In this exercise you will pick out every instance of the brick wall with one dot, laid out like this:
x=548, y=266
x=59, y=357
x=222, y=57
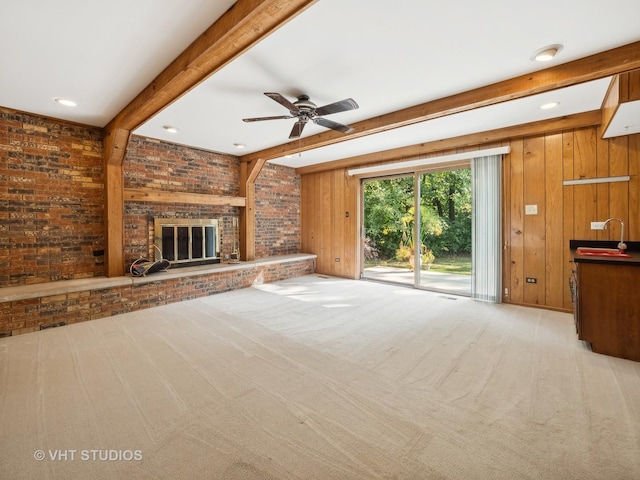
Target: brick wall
x=29, y=315
x=164, y=166
x=52, y=218
x=51, y=200
x=277, y=211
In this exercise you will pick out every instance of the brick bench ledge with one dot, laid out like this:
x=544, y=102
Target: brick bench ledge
x=62, y=287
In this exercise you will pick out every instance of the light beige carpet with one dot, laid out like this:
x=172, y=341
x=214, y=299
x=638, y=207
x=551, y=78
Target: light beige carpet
x=318, y=378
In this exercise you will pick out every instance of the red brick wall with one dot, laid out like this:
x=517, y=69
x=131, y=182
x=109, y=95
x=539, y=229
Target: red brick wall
x=277, y=211
x=51, y=200
x=24, y=316
x=170, y=167
x=165, y=166
x=52, y=195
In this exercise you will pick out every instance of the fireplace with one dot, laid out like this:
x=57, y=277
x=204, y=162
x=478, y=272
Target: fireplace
x=187, y=242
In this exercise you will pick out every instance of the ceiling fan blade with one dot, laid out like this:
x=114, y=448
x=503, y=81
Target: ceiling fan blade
x=341, y=106
x=333, y=125
x=296, y=131
x=282, y=101
x=259, y=119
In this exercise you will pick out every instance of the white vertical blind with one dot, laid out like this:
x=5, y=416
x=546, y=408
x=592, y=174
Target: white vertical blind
x=486, y=228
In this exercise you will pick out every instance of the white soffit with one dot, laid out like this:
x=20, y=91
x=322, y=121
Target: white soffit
x=626, y=120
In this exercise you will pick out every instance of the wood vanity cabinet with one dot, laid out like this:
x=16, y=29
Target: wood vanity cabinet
x=607, y=306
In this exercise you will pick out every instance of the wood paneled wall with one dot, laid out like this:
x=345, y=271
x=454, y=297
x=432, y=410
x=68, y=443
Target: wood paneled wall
x=329, y=221
x=535, y=246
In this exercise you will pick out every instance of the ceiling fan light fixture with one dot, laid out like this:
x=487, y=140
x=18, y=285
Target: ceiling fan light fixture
x=170, y=128
x=547, y=53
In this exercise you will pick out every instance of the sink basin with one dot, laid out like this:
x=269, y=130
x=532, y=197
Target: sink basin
x=601, y=252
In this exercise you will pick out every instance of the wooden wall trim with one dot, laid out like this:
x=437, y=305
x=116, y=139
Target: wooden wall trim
x=114, y=220
x=248, y=176
x=114, y=150
x=579, y=120
x=611, y=102
x=159, y=196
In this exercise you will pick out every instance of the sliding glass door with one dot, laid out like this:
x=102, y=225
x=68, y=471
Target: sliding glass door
x=444, y=230
x=417, y=230
x=388, y=229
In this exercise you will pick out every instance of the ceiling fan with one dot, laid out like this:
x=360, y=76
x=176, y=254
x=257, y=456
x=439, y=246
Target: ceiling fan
x=304, y=110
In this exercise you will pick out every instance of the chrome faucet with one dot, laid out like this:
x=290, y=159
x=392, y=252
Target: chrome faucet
x=621, y=246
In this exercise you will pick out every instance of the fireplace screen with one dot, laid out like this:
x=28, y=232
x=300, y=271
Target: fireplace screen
x=187, y=240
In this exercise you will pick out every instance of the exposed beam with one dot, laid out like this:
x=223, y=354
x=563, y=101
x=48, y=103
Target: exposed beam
x=115, y=145
x=248, y=174
x=246, y=23
x=579, y=120
x=114, y=221
x=596, y=66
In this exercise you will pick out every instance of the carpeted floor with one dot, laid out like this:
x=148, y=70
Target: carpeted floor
x=318, y=378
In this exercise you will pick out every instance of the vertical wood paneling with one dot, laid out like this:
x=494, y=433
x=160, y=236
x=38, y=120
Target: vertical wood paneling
x=516, y=209
x=351, y=243
x=634, y=85
x=337, y=240
x=585, y=196
x=567, y=213
x=326, y=216
x=619, y=191
x=602, y=189
x=306, y=225
x=534, y=225
x=326, y=231
x=634, y=188
x=554, y=267
x=506, y=228
x=536, y=245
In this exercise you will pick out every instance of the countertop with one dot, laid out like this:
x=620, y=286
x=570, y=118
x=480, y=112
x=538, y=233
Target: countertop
x=633, y=249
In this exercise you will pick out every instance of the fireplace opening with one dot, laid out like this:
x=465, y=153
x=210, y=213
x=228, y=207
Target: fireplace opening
x=187, y=242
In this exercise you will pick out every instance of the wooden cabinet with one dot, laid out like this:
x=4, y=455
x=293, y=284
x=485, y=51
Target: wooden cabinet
x=607, y=307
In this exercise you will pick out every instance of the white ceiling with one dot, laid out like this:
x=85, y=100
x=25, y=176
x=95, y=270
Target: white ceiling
x=386, y=55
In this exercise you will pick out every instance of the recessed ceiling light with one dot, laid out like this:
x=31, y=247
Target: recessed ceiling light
x=65, y=101
x=288, y=156
x=170, y=128
x=547, y=53
x=549, y=105
x=239, y=145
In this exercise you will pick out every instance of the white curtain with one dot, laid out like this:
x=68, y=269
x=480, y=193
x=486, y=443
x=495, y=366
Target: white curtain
x=486, y=228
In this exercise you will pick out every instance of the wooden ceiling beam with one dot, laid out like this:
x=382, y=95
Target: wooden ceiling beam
x=601, y=65
x=246, y=23
x=553, y=125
